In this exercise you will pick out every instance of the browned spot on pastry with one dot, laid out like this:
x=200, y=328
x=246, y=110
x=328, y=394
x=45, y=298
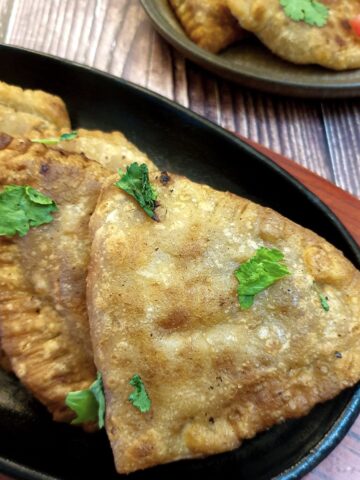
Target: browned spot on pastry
x=258, y=12
x=175, y=320
x=345, y=25
x=44, y=168
x=5, y=140
x=340, y=41
x=164, y=178
x=143, y=450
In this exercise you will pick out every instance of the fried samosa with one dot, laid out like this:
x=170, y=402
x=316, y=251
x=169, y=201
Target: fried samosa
x=208, y=23
x=31, y=113
x=326, y=37
x=166, y=319
x=50, y=281
x=43, y=319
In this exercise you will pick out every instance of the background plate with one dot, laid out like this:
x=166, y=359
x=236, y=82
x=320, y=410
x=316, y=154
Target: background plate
x=253, y=65
x=31, y=445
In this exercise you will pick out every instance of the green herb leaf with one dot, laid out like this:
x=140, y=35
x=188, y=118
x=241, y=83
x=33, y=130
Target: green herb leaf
x=309, y=11
x=55, y=140
x=88, y=404
x=139, y=397
x=258, y=273
x=84, y=404
x=23, y=207
x=68, y=136
x=136, y=183
x=323, y=299
x=324, y=302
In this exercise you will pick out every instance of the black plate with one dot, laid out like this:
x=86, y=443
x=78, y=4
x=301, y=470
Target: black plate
x=31, y=445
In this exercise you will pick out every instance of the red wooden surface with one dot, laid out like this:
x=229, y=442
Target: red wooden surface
x=345, y=206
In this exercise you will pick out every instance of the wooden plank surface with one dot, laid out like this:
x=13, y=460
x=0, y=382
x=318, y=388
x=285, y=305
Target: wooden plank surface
x=116, y=36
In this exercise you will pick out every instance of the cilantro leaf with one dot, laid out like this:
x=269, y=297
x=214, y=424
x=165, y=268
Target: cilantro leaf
x=323, y=298
x=55, y=140
x=84, y=404
x=139, y=397
x=88, y=404
x=309, y=11
x=136, y=183
x=68, y=136
x=258, y=273
x=324, y=302
x=246, y=301
x=23, y=207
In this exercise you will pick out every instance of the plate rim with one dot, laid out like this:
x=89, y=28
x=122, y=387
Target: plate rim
x=208, y=61
x=349, y=414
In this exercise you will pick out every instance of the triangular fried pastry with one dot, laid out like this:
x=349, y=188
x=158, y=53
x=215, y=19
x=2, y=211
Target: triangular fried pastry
x=31, y=113
x=163, y=307
x=43, y=318
x=331, y=42
x=208, y=23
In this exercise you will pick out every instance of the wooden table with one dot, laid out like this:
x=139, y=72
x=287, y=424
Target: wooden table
x=116, y=36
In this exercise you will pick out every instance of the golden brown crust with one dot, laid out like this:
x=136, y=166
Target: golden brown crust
x=31, y=113
x=334, y=46
x=112, y=150
x=43, y=319
x=162, y=303
x=208, y=23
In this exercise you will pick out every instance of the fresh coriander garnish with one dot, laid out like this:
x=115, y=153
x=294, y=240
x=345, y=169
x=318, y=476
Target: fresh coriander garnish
x=139, y=397
x=324, y=302
x=55, y=140
x=23, y=207
x=136, y=183
x=258, y=273
x=323, y=298
x=309, y=11
x=88, y=404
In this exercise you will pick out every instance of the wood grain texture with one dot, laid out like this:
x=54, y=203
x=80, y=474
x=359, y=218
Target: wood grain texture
x=116, y=36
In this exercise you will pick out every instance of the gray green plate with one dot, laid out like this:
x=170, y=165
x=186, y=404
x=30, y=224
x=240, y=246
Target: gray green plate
x=251, y=64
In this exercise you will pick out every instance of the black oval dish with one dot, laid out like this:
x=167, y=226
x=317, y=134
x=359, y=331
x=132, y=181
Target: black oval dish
x=31, y=445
